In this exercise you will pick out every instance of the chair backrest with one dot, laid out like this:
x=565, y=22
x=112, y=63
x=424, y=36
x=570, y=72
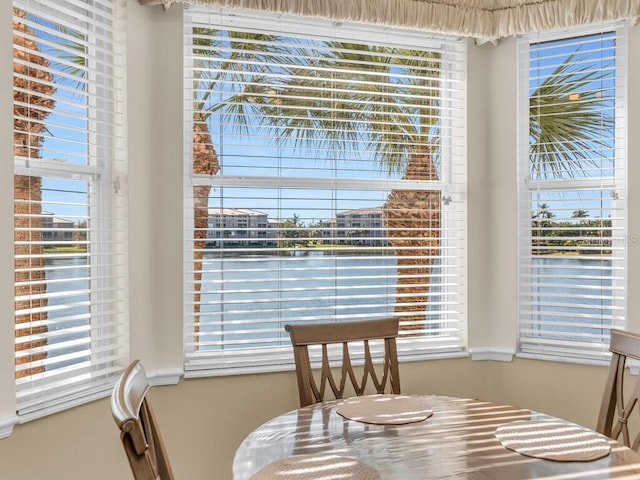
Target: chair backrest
x=385, y=377
x=139, y=431
x=615, y=410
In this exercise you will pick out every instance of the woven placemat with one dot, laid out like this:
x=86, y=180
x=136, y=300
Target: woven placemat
x=552, y=440
x=385, y=409
x=317, y=466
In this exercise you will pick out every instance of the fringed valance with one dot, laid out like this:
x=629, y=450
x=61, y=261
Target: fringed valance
x=537, y=16
x=485, y=20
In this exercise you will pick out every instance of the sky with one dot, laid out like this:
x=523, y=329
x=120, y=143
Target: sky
x=259, y=155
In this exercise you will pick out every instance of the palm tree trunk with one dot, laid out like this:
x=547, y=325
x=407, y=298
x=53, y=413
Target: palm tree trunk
x=205, y=162
x=29, y=112
x=412, y=221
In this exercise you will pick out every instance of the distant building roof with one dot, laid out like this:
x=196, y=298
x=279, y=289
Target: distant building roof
x=362, y=211
x=58, y=220
x=234, y=211
x=55, y=219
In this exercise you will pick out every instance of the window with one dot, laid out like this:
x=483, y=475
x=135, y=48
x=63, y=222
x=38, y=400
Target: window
x=572, y=197
x=69, y=209
x=299, y=132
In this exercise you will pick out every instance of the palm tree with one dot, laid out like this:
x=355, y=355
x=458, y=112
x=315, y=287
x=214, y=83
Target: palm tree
x=235, y=64
x=404, y=138
x=205, y=158
x=544, y=212
x=567, y=122
x=580, y=214
x=540, y=226
x=32, y=95
x=368, y=107
x=30, y=111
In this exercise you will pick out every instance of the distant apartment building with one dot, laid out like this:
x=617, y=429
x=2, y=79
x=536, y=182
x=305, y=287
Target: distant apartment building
x=361, y=226
x=328, y=228
x=58, y=231
x=236, y=227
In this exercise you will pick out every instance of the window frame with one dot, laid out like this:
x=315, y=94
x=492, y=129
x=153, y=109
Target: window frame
x=568, y=352
x=106, y=209
x=252, y=361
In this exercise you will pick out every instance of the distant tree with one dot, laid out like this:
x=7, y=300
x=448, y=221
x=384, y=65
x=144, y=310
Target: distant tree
x=314, y=230
x=293, y=229
x=80, y=233
x=544, y=212
x=541, y=225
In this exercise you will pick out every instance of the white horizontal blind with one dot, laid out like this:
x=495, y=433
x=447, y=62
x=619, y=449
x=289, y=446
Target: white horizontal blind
x=572, y=197
x=325, y=182
x=69, y=212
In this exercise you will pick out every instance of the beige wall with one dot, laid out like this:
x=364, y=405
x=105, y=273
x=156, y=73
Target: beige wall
x=204, y=420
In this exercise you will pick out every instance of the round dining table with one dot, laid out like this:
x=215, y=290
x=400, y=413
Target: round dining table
x=457, y=441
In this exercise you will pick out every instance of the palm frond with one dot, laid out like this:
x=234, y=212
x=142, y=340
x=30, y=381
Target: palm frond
x=69, y=55
x=570, y=124
x=350, y=100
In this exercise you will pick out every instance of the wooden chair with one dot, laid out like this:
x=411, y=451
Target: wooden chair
x=614, y=413
x=387, y=375
x=139, y=430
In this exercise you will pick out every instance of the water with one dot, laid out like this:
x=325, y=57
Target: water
x=253, y=297
x=69, y=311
x=263, y=293
x=569, y=295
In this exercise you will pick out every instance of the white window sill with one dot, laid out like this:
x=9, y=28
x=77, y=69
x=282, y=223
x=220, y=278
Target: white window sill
x=7, y=424
x=496, y=354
